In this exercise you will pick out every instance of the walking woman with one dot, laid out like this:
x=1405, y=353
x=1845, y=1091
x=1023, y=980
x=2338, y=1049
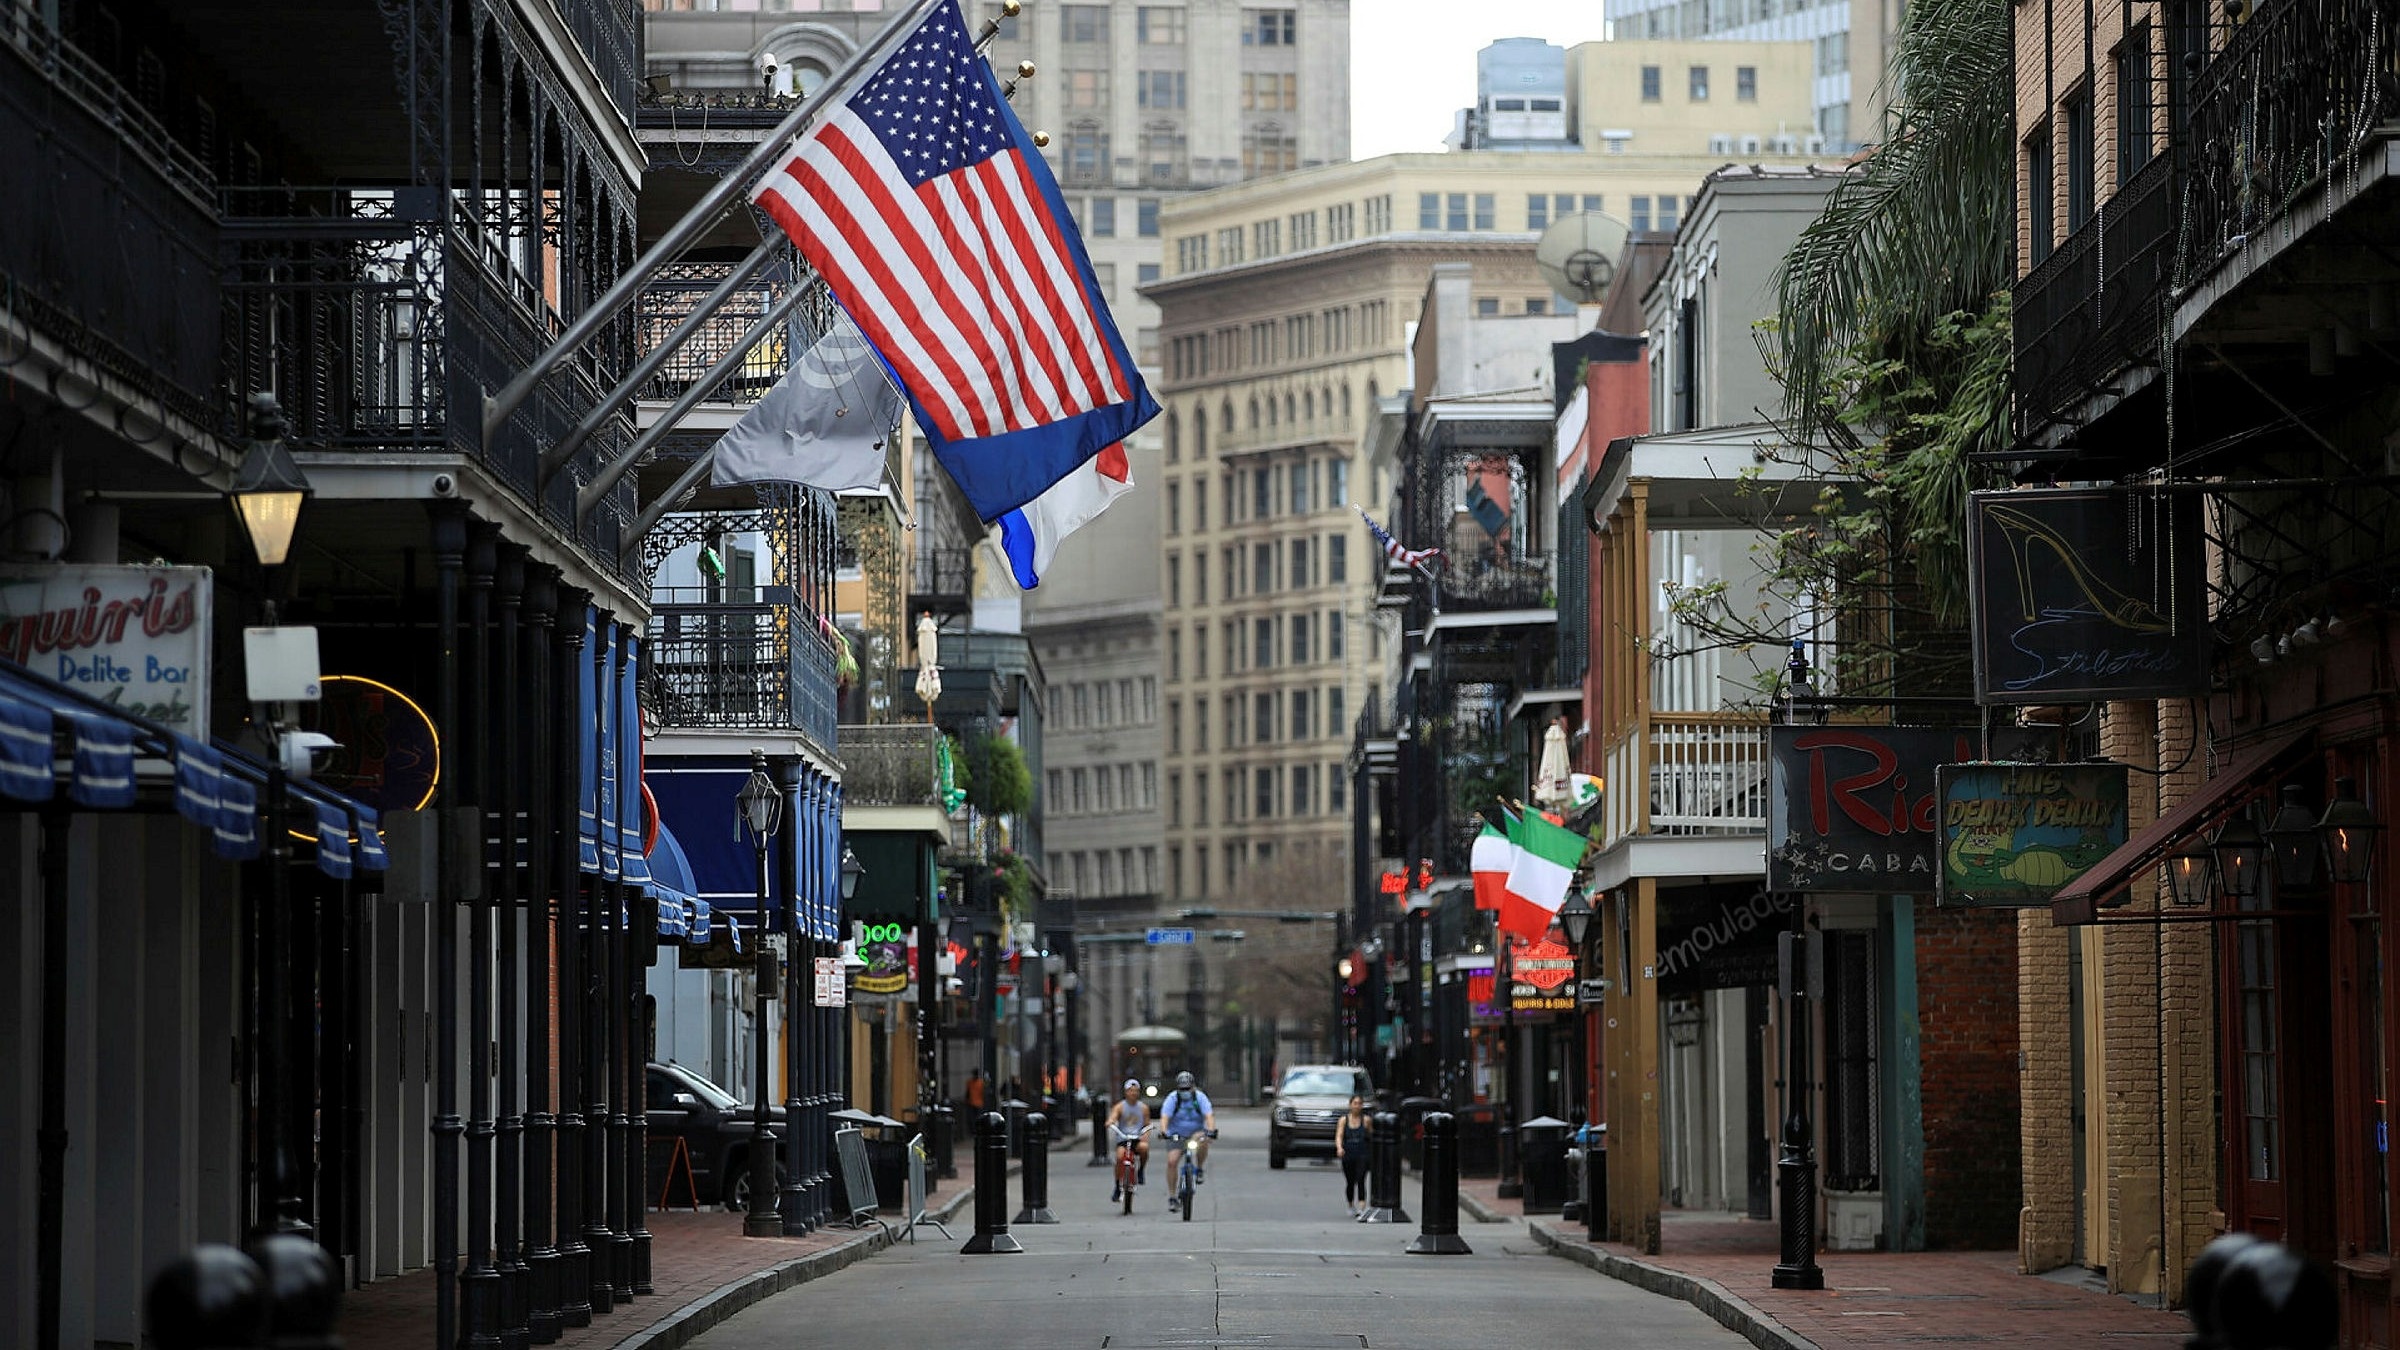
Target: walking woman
x=1350, y=1145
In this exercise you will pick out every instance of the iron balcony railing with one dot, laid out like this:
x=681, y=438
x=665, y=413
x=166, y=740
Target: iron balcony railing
x=754, y=666
x=677, y=290
x=2284, y=105
x=941, y=579
x=892, y=765
x=2092, y=308
x=117, y=257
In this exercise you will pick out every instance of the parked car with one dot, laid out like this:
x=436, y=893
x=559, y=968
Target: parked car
x=1309, y=1102
x=714, y=1127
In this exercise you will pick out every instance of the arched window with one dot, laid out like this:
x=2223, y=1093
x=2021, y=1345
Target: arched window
x=1308, y=405
x=1199, y=431
x=1271, y=410
x=1325, y=401
x=1254, y=414
x=1345, y=405
x=1225, y=415
x=1291, y=409
x=1174, y=437
x=1086, y=153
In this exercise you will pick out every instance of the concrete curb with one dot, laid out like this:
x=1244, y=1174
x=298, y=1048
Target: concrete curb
x=689, y=1322
x=1708, y=1296
x=1479, y=1211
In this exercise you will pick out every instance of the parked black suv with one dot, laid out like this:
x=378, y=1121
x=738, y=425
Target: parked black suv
x=715, y=1129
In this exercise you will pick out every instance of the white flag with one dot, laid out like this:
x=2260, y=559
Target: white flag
x=822, y=424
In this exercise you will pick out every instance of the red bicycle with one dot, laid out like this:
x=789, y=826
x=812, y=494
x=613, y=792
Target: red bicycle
x=1129, y=1162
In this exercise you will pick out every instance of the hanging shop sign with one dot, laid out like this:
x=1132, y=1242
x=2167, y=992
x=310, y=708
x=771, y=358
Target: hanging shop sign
x=884, y=947
x=1851, y=809
x=1717, y=937
x=1541, y=975
x=2084, y=594
x=2011, y=835
x=135, y=638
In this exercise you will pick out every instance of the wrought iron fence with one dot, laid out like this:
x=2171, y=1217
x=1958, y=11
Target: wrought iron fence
x=892, y=765
x=2285, y=104
x=740, y=665
x=609, y=32
x=1496, y=583
x=941, y=578
x=678, y=290
x=2092, y=307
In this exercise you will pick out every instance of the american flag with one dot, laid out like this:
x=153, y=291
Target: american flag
x=1406, y=557
x=922, y=202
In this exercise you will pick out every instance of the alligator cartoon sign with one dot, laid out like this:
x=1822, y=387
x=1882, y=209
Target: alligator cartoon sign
x=2013, y=834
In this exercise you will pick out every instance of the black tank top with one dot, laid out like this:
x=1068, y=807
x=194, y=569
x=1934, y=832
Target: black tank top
x=1353, y=1136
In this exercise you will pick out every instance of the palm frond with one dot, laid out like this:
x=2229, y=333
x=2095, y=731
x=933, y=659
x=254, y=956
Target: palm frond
x=1919, y=228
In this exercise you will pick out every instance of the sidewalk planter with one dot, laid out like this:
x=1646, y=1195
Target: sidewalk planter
x=1853, y=1221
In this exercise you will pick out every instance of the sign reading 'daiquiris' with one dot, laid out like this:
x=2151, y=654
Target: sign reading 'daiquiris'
x=132, y=637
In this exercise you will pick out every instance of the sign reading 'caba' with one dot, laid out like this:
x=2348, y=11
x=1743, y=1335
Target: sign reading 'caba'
x=1855, y=809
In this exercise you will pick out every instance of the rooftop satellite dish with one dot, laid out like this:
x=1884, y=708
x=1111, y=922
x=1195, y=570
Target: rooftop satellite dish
x=1578, y=254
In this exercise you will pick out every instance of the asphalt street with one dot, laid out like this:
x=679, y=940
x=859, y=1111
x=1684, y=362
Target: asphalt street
x=1270, y=1261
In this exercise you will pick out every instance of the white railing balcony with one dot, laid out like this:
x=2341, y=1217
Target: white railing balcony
x=1699, y=774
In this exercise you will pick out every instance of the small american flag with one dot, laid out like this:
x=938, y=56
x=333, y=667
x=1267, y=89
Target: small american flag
x=922, y=202
x=1406, y=557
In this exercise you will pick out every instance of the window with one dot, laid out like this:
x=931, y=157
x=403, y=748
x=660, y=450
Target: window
x=2039, y=204
x=1234, y=725
x=2131, y=71
x=1174, y=569
x=1262, y=644
x=1158, y=25
x=1263, y=793
x=1084, y=23
x=1174, y=653
x=1268, y=148
x=1159, y=89
x=1261, y=494
x=1229, y=249
x=2079, y=158
x=1487, y=306
x=1649, y=84
x=1266, y=238
x=1333, y=789
x=1337, y=477
x=1378, y=214
x=1337, y=558
x=1454, y=216
x=1833, y=54
x=1145, y=273
x=1429, y=210
x=1304, y=230
x=1191, y=253
x=1149, y=699
x=1127, y=711
x=1077, y=800
x=1301, y=706
x=1333, y=708
x=1302, y=797
x=1149, y=867
x=1200, y=639
x=1641, y=215
x=1087, y=88
x=1333, y=634
x=1666, y=215
x=1200, y=485
x=1537, y=211
x=1082, y=705
x=1058, y=786
x=1200, y=742
x=1539, y=304
x=1508, y=105
x=1267, y=27
x=1174, y=799
x=1485, y=211
x=1145, y=215
x=1087, y=154
x=1699, y=83
x=1299, y=643
x=1268, y=91
x=1104, y=223
x=1230, y=650
x=1341, y=223
x=1162, y=153
x=1175, y=869
x=1299, y=492
x=1262, y=568
x=1299, y=568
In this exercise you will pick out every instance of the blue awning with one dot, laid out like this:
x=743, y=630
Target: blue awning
x=216, y=788
x=680, y=912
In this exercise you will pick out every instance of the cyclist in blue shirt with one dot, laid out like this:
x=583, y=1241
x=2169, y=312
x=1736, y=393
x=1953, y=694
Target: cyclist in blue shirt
x=1187, y=1114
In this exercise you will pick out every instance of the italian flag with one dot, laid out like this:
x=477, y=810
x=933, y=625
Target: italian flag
x=1542, y=864
x=1489, y=862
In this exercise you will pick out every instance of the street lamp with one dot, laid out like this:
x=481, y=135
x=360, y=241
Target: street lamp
x=2292, y=835
x=852, y=870
x=1796, y=1155
x=1575, y=916
x=2239, y=848
x=268, y=488
x=2349, y=828
x=759, y=810
x=2190, y=871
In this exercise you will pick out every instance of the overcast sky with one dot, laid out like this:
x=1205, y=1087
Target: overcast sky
x=1412, y=62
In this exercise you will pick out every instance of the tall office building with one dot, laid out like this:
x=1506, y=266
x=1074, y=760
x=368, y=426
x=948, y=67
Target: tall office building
x=1850, y=41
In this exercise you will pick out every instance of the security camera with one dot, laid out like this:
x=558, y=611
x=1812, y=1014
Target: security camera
x=445, y=485
x=304, y=753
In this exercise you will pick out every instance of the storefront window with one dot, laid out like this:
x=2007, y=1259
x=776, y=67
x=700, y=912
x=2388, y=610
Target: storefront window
x=2262, y=1111
x=2367, y=927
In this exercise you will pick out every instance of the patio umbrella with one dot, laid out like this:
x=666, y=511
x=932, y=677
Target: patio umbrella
x=1550, y=784
x=929, y=670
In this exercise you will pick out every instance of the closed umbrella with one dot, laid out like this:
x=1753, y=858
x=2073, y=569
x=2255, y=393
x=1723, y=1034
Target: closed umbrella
x=929, y=670
x=1551, y=786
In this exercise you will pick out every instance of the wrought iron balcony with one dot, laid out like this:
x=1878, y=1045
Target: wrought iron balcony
x=676, y=291
x=2091, y=308
x=891, y=765
x=117, y=260
x=2287, y=102
x=941, y=580
x=755, y=666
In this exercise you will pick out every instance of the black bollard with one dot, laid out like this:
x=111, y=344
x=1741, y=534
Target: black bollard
x=1383, y=1172
x=1099, y=1133
x=991, y=1188
x=211, y=1298
x=2270, y=1297
x=1037, y=1172
x=1437, y=1232
x=304, y=1290
x=1595, y=1187
x=1512, y=1177
x=941, y=1140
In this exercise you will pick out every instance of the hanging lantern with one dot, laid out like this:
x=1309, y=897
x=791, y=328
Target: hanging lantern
x=2292, y=841
x=2348, y=831
x=2240, y=850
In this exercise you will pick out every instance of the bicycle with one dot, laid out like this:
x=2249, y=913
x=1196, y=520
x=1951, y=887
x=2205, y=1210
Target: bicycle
x=1187, y=1171
x=1129, y=1162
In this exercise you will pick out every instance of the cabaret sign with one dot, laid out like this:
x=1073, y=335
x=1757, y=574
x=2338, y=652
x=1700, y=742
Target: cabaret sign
x=1854, y=809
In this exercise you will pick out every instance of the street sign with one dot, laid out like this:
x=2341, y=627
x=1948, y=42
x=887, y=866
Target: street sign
x=1170, y=937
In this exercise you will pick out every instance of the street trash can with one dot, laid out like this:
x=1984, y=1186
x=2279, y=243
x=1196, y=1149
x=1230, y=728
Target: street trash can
x=1542, y=1162
x=1478, y=1140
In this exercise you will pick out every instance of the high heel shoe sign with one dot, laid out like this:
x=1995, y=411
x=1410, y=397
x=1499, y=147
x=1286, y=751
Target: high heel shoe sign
x=2086, y=593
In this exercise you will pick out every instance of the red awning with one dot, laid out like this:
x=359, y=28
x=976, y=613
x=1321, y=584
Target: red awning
x=2249, y=777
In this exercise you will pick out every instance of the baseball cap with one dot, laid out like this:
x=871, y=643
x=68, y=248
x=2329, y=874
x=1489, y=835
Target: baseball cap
x=1133, y=1082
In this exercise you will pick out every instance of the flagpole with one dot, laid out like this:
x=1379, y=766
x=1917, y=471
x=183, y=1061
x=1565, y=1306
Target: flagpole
x=733, y=187
x=591, y=493
x=555, y=457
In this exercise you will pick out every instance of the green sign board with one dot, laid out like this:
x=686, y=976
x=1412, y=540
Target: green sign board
x=2012, y=835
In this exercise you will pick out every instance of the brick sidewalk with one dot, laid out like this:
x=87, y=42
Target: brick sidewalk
x=695, y=1259
x=1720, y=1264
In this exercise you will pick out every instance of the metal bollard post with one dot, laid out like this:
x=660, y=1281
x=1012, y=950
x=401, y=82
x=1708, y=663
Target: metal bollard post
x=991, y=1188
x=1512, y=1177
x=1437, y=1232
x=1037, y=1172
x=941, y=1139
x=1383, y=1172
x=1595, y=1190
x=1099, y=1133
x=211, y=1298
x=304, y=1289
